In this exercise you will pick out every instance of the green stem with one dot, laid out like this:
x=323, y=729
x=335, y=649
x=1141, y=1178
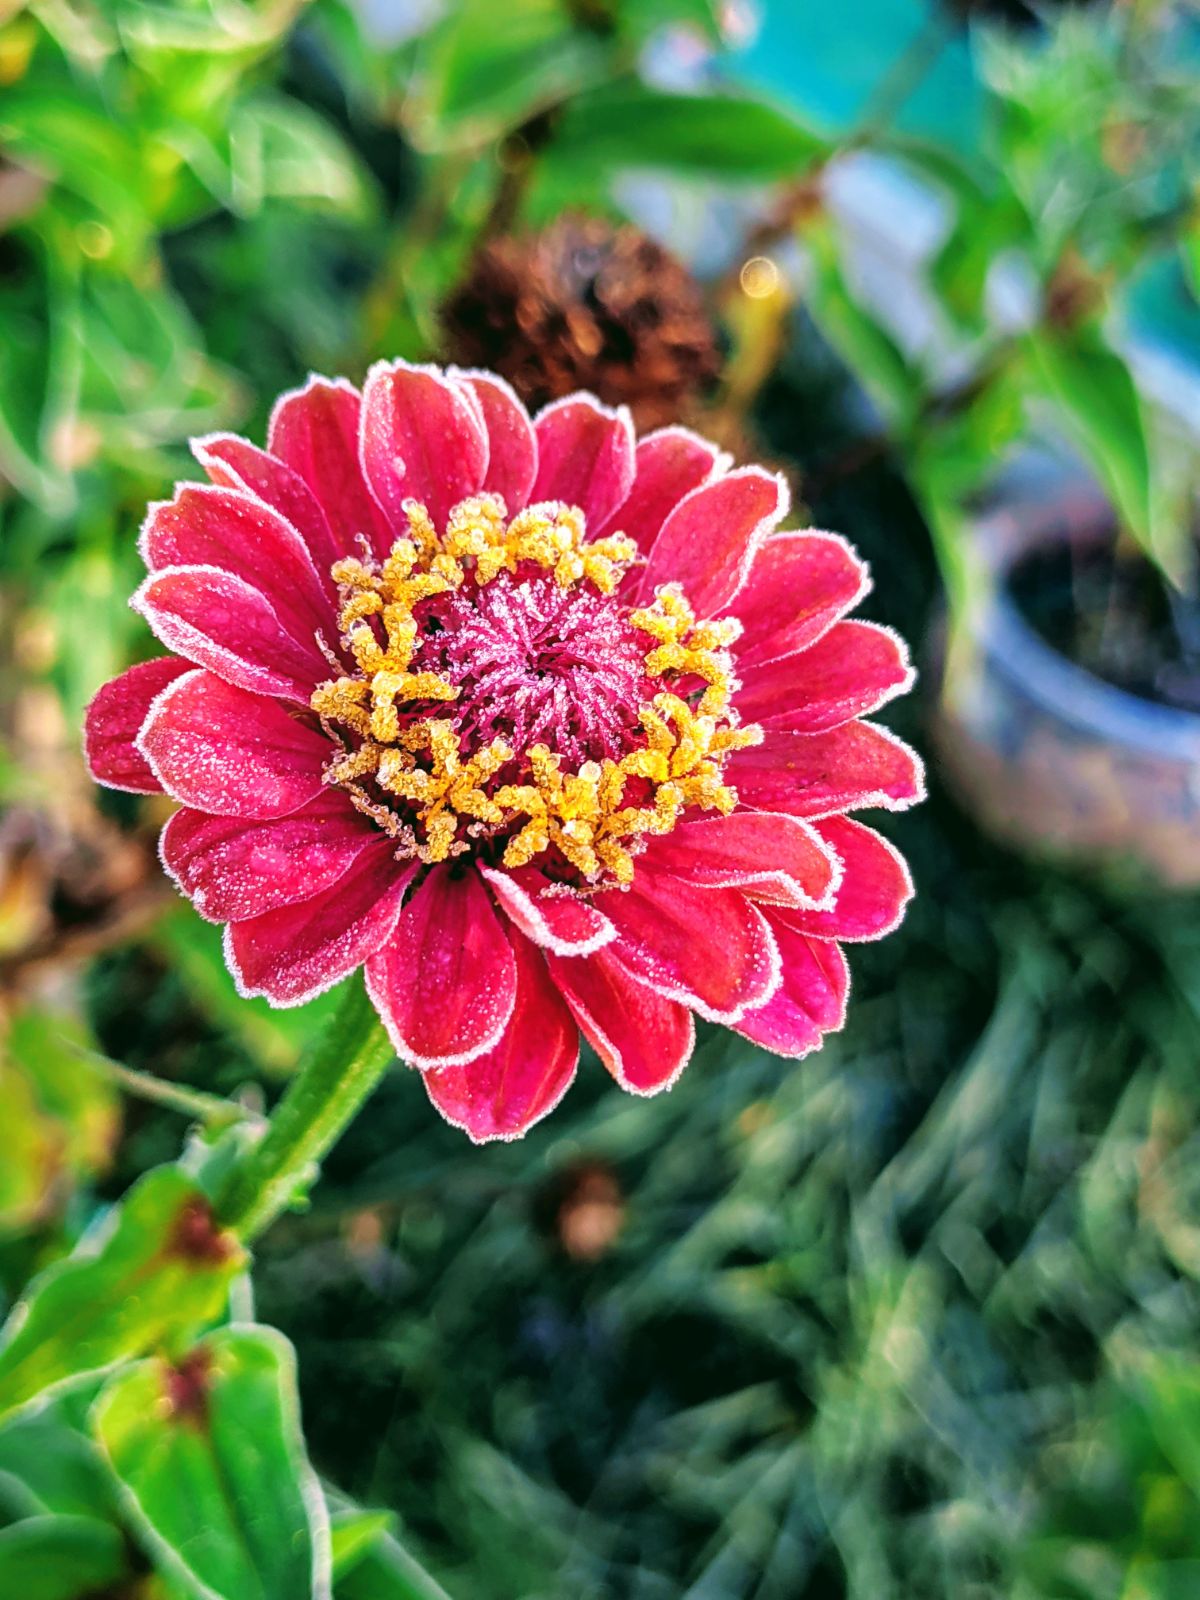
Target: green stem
x=331, y=1085
x=210, y=1109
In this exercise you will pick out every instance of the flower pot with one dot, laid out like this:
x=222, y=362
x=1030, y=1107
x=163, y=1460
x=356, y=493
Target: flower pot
x=1048, y=756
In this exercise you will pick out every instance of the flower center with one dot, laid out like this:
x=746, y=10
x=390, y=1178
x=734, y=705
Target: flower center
x=505, y=700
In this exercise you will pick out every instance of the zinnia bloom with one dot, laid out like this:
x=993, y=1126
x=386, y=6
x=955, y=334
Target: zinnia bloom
x=547, y=727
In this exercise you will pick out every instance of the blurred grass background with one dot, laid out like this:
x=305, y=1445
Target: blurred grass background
x=915, y=1318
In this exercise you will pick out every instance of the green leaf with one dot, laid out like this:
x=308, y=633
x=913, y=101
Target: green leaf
x=862, y=341
x=158, y=1271
x=60, y=1467
x=282, y=150
x=627, y=124
x=352, y=1533
x=211, y=1460
x=387, y=1571
x=59, y=1558
x=83, y=1105
x=478, y=80
x=1095, y=394
x=32, y=1151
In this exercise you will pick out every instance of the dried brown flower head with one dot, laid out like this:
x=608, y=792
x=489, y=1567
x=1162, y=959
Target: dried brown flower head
x=586, y=304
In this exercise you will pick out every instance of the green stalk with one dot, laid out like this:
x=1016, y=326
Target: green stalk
x=330, y=1087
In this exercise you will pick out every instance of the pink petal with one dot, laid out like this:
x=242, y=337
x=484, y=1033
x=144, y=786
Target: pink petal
x=315, y=431
x=875, y=885
x=810, y=1001
x=299, y=951
x=235, y=463
x=709, y=541
x=206, y=526
x=818, y=774
x=567, y=924
x=798, y=586
x=777, y=859
x=854, y=668
x=445, y=984
x=644, y=1039
x=512, y=446
x=585, y=457
x=231, y=869
x=220, y=749
x=422, y=439
x=501, y=1095
x=667, y=465
x=114, y=719
x=218, y=621
x=709, y=948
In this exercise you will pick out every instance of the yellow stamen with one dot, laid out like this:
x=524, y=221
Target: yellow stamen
x=417, y=759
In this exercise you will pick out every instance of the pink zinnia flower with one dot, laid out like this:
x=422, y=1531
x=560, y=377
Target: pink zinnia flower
x=546, y=726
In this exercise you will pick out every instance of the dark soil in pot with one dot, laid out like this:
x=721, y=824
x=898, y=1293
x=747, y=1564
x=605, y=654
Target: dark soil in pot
x=1113, y=614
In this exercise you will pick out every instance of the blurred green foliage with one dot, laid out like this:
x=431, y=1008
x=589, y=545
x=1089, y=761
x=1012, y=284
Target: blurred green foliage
x=914, y=1318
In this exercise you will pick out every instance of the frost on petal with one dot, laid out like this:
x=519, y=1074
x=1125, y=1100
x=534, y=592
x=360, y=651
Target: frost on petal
x=853, y=669
x=235, y=463
x=232, y=869
x=798, y=586
x=770, y=857
x=709, y=541
x=218, y=621
x=874, y=890
x=512, y=447
x=445, y=984
x=668, y=465
x=422, y=439
x=206, y=526
x=299, y=951
x=501, y=1094
x=220, y=749
x=810, y=1001
x=114, y=719
x=644, y=1039
x=568, y=924
x=585, y=457
x=819, y=774
x=315, y=431
x=709, y=948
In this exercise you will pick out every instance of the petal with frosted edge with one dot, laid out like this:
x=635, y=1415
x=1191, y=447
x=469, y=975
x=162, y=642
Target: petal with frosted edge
x=810, y=1001
x=820, y=774
x=585, y=457
x=231, y=869
x=301, y=950
x=512, y=447
x=218, y=748
x=708, y=542
x=501, y=1094
x=854, y=668
x=565, y=923
x=422, y=439
x=875, y=887
x=770, y=857
x=709, y=948
x=667, y=465
x=644, y=1039
x=798, y=586
x=235, y=463
x=206, y=526
x=114, y=719
x=220, y=622
x=315, y=431
x=445, y=984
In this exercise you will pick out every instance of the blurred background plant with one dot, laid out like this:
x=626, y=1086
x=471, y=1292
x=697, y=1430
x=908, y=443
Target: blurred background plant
x=915, y=1317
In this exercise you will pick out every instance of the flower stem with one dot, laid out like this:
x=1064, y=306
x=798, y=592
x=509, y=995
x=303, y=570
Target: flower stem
x=336, y=1077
